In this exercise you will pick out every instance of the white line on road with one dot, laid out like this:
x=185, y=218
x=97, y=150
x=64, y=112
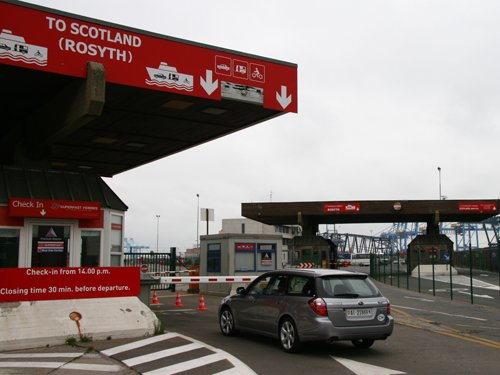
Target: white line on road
x=138, y=344
x=239, y=368
x=464, y=280
x=187, y=365
x=360, y=368
x=440, y=312
x=420, y=299
x=161, y=354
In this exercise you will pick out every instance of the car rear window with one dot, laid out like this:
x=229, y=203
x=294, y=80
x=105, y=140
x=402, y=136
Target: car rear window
x=349, y=287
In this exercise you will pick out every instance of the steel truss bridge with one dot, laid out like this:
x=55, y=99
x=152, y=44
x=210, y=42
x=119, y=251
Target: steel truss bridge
x=396, y=238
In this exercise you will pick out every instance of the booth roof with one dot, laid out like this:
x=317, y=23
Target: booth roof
x=56, y=185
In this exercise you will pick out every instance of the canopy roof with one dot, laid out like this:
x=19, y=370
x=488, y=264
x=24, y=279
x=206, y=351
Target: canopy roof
x=349, y=212
x=86, y=95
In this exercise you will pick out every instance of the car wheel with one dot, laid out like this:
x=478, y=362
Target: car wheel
x=363, y=343
x=289, y=336
x=226, y=322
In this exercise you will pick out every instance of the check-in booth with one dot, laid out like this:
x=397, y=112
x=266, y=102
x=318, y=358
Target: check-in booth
x=58, y=219
x=237, y=254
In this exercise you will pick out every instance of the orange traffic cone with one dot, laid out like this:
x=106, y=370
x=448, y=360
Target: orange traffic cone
x=178, y=300
x=202, y=303
x=155, y=298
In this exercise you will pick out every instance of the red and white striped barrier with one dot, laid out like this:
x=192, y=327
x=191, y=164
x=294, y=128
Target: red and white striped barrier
x=306, y=265
x=206, y=279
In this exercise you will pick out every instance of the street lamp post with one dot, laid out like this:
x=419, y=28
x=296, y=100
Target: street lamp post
x=198, y=222
x=157, y=231
x=439, y=171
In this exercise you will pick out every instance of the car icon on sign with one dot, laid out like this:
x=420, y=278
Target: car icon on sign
x=223, y=67
x=5, y=47
x=159, y=75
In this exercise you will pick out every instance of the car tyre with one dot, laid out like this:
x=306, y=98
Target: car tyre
x=226, y=322
x=363, y=343
x=289, y=337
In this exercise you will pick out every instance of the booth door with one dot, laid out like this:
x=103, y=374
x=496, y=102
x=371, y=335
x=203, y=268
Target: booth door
x=50, y=245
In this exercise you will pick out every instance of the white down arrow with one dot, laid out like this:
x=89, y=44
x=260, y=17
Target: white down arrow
x=208, y=85
x=282, y=98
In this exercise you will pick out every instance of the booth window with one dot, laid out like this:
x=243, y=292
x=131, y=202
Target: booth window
x=9, y=248
x=214, y=257
x=244, y=257
x=91, y=248
x=116, y=241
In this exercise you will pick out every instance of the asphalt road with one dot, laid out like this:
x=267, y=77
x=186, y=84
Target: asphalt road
x=433, y=335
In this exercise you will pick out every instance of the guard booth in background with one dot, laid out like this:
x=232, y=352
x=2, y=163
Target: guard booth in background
x=314, y=251
x=430, y=253
x=237, y=255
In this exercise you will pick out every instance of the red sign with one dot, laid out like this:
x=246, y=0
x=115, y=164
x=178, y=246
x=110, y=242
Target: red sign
x=244, y=246
x=25, y=207
x=341, y=207
x=477, y=206
x=36, y=284
x=48, y=41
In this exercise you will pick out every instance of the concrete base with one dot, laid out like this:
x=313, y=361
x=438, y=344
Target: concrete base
x=35, y=324
x=439, y=270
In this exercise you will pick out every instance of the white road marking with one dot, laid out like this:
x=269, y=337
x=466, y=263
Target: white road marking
x=464, y=280
x=187, y=365
x=138, y=344
x=440, y=312
x=360, y=368
x=476, y=295
x=161, y=354
x=420, y=299
x=239, y=368
x=235, y=371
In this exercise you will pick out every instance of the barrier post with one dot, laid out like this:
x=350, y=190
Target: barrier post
x=470, y=275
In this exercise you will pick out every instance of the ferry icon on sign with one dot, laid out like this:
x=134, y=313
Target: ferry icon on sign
x=14, y=47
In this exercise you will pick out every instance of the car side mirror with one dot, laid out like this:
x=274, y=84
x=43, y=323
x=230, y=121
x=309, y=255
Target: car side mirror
x=240, y=290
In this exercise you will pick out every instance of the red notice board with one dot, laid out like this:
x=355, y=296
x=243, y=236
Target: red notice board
x=37, y=284
x=49, y=40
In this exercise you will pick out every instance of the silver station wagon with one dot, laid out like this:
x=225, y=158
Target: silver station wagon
x=299, y=305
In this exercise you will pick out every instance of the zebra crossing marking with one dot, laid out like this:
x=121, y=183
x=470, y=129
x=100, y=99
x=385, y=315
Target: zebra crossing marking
x=217, y=355
x=138, y=344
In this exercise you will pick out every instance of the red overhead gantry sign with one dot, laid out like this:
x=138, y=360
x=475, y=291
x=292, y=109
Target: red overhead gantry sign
x=52, y=41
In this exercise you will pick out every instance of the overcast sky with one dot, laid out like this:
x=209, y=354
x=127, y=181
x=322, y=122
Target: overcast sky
x=388, y=91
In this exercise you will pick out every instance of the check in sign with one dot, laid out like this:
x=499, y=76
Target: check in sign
x=36, y=284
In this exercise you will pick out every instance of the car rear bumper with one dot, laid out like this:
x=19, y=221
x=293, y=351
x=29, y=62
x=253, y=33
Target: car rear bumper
x=326, y=331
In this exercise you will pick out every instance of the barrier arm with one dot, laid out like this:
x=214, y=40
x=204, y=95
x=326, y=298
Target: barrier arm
x=206, y=279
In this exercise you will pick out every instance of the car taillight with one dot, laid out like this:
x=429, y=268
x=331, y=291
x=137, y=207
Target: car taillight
x=388, y=309
x=318, y=305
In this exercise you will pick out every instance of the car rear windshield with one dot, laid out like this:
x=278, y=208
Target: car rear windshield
x=349, y=287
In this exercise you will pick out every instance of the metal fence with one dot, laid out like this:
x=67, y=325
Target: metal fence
x=160, y=263
x=395, y=270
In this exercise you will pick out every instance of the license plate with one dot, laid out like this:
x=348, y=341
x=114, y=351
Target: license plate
x=359, y=314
